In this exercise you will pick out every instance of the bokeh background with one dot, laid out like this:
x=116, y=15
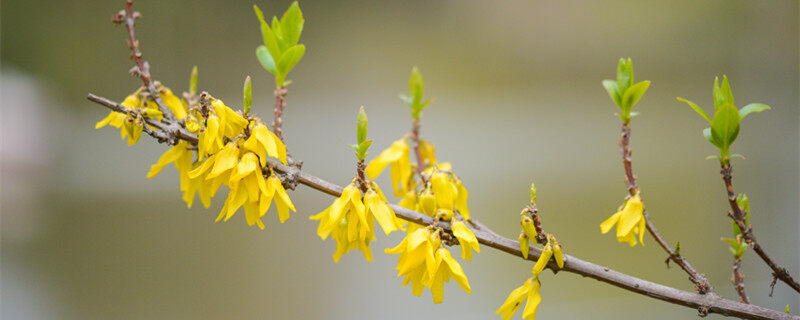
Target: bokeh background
x=518, y=99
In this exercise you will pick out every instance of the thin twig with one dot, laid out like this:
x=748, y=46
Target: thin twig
x=704, y=303
x=280, y=103
x=700, y=281
x=142, y=69
x=738, y=280
x=747, y=231
x=415, y=143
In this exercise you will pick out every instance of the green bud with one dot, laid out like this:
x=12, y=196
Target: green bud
x=533, y=193
x=361, y=125
x=193, y=82
x=248, y=95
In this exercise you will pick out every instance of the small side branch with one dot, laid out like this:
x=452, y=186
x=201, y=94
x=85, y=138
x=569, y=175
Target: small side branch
x=747, y=231
x=738, y=280
x=280, y=103
x=415, y=144
x=700, y=281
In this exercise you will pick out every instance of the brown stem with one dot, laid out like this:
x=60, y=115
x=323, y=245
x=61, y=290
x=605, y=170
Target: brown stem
x=361, y=177
x=416, y=145
x=704, y=303
x=700, y=281
x=280, y=103
x=747, y=231
x=738, y=280
x=142, y=68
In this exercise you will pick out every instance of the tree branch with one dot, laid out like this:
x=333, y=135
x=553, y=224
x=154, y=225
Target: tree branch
x=747, y=231
x=738, y=280
x=704, y=303
x=703, y=286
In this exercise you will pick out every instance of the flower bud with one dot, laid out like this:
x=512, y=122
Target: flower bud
x=527, y=226
x=427, y=203
x=248, y=94
x=361, y=125
x=524, y=245
x=547, y=252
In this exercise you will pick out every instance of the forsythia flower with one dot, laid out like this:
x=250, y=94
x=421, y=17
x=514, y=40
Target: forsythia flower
x=524, y=245
x=629, y=220
x=466, y=239
x=530, y=291
x=425, y=263
x=401, y=172
x=351, y=220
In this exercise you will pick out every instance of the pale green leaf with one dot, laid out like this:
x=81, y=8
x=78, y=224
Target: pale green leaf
x=265, y=59
x=696, y=108
x=751, y=108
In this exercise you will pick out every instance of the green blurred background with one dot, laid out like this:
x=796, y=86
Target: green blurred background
x=518, y=99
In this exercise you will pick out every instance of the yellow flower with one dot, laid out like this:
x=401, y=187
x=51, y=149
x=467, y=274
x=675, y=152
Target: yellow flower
x=524, y=245
x=446, y=268
x=346, y=219
x=251, y=191
x=444, y=190
x=116, y=119
x=173, y=103
x=401, y=172
x=427, y=151
x=461, y=199
x=629, y=221
x=377, y=208
x=547, y=252
x=424, y=262
x=265, y=143
x=178, y=154
x=530, y=291
x=466, y=239
x=231, y=123
x=527, y=225
x=133, y=128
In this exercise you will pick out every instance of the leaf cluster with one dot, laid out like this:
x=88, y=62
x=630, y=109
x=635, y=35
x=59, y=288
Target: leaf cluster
x=414, y=100
x=280, y=52
x=737, y=245
x=624, y=91
x=724, y=126
x=362, y=145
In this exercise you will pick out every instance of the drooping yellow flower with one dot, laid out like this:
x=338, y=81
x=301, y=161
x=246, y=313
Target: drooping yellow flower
x=178, y=154
x=427, y=151
x=629, y=220
x=401, y=172
x=346, y=220
x=466, y=239
x=133, y=128
x=446, y=268
x=173, y=103
x=547, y=252
x=251, y=191
x=417, y=258
x=528, y=291
x=424, y=262
x=524, y=245
x=377, y=208
x=265, y=143
x=444, y=190
x=117, y=119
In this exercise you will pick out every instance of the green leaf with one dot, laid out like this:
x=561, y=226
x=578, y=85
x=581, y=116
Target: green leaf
x=193, y=82
x=268, y=35
x=624, y=74
x=265, y=59
x=697, y=109
x=633, y=94
x=725, y=127
x=415, y=86
x=719, y=99
x=361, y=125
x=751, y=108
x=725, y=89
x=613, y=91
x=408, y=100
x=287, y=61
x=248, y=94
x=292, y=24
x=709, y=137
x=277, y=30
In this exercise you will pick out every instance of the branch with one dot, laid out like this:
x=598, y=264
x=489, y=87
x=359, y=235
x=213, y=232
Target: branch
x=704, y=303
x=747, y=231
x=703, y=286
x=280, y=103
x=738, y=280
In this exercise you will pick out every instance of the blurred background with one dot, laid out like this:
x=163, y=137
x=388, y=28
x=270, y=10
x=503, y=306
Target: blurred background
x=518, y=99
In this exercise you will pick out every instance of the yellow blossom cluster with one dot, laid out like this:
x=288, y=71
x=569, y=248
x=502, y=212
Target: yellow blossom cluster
x=132, y=124
x=629, y=220
x=350, y=220
x=232, y=150
x=426, y=263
